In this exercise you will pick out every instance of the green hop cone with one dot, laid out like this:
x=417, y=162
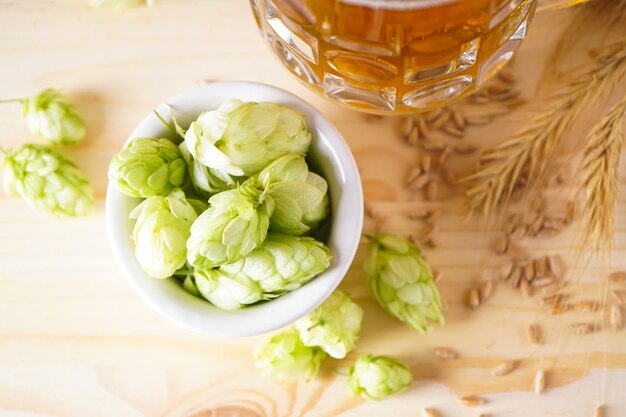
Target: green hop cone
x=161, y=232
x=283, y=356
x=300, y=196
x=224, y=291
x=402, y=282
x=378, y=377
x=334, y=326
x=239, y=139
x=47, y=180
x=283, y=263
x=50, y=116
x=148, y=167
x=235, y=224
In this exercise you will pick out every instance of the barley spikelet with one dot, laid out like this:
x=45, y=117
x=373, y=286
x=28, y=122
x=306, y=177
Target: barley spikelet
x=600, y=171
x=524, y=158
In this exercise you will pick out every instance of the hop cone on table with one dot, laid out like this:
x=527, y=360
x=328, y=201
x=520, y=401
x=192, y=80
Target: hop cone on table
x=235, y=224
x=285, y=357
x=50, y=116
x=334, y=326
x=239, y=139
x=300, y=196
x=225, y=291
x=283, y=263
x=378, y=377
x=402, y=282
x=148, y=167
x=47, y=180
x=161, y=232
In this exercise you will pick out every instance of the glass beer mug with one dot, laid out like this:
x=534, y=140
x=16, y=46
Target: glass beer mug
x=393, y=56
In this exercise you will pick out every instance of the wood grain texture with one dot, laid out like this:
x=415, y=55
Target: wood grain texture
x=76, y=341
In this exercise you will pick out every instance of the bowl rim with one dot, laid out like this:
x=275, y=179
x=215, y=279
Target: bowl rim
x=176, y=313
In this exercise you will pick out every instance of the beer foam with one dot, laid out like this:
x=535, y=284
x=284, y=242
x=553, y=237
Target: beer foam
x=397, y=4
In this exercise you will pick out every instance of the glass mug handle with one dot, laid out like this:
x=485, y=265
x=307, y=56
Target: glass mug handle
x=393, y=56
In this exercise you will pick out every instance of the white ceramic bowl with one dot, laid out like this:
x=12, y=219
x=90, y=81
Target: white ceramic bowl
x=332, y=157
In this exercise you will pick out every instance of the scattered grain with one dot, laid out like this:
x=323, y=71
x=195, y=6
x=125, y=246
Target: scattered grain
x=561, y=174
x=422, y=127
x=570, y=210
x=506, y=270
x=431, y=191
x=505, y=368
x=418, y=215
x=517, y=253
x=512, y=222
x=465, y=148
x=501, y=245
x=540, y=382
x=538, y=203
x=433, y=215
x=535, y=335
x=458, y=120
x=446, y=354
x=529, y=271
x=582, y=328
x=370, y=211
x=507, y=76
x=443, y=156
x=554, y=299
x=473, y=298
x=406, y=125
x=559, y=309
x=525, y=288
x=556, y=265
x=440, y=120
x=478, y=119
x=414, y=172
x=599, y=411
x=426, y=163
x=541, y=266
x=516, y=277
x=617, y=276
x=433, y=145
x=519, y=232
x=543, y=282
x=413, y=137
x=429, y=412
x=471, y=400
x=616, y=318
x=453, y=131
x=486, y=291
x=419, y=182
x=586, y=306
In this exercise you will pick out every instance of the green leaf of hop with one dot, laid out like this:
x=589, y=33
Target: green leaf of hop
x=47, y=180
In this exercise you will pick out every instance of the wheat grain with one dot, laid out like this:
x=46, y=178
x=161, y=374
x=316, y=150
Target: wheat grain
x=446, y=354
x=473, y=298
x=505, y=368
x=615, y=318
x=429, y=412
x=617, y=276
x=582, y=328
x=471, y=400
x=501, y=245
x=540, y=382
x=535, y=335
x=598, y=411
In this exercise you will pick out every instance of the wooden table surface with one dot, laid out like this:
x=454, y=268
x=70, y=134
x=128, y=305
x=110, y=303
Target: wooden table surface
x=76, y=341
